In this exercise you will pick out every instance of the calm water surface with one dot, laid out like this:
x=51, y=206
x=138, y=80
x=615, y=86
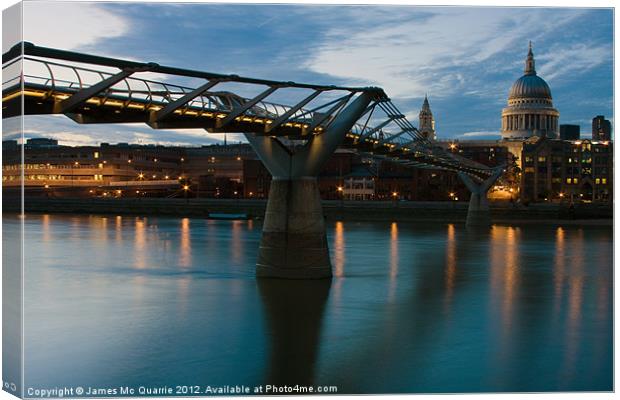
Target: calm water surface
x=413, y=307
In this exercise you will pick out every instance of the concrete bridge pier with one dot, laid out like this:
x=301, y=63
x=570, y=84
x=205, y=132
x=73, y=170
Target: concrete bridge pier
x=294, y=243
x=478, y=213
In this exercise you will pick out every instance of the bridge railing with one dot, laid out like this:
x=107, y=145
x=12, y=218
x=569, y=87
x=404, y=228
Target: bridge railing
x=151, y=94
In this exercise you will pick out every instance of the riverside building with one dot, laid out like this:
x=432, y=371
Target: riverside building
x=601, y=128
x=567, y=170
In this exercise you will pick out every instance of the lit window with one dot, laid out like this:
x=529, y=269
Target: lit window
x=575, y=181
x=96, y=155
x=568, y=180
x=604, y=181
x=542, y=159
x=598, y=181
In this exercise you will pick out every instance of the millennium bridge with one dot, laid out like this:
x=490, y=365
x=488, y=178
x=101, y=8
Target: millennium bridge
x=293, y=140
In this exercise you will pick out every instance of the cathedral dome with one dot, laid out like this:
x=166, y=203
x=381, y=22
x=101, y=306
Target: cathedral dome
x=530, y=87
x=530, y=110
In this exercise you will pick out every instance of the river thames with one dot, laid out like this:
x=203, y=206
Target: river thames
x=413, y=307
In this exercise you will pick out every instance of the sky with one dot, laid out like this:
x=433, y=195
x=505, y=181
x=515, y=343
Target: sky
x=464, y=58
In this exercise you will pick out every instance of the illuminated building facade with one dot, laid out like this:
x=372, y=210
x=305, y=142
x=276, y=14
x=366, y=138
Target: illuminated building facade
x=560, y=170
x=122, y=169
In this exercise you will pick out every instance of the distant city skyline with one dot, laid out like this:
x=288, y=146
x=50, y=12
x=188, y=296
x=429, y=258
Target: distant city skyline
x=464, y=58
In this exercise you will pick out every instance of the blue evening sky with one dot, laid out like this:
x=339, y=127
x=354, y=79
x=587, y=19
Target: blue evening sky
x=465, y=58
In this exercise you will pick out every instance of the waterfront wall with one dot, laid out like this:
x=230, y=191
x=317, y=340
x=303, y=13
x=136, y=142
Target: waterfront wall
x=333, y=210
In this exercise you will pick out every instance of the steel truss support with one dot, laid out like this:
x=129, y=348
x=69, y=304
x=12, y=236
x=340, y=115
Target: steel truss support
x=392, y=137
x=282, y=119
x=319, y=117
x=478, y=213
x=69, y=104
x=294, y=245
x=377, y=128
x=237, y=111
x=175, y=105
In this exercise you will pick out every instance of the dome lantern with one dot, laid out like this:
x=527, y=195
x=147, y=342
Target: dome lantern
x=530, y=69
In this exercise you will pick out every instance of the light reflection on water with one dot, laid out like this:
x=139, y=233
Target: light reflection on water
x=412, y=307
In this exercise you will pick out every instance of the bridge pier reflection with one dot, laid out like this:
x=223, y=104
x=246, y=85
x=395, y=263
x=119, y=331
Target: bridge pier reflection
x=294, y=313
x=294, y=243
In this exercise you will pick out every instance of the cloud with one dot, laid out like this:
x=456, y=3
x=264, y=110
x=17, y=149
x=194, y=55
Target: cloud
x=559, y=61
x=11, y=128
x=70, y=25
x=69, y=133
x=479, y=134
x=442, y=53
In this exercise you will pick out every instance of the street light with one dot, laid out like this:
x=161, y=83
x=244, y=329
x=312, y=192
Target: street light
x=75, y=164
x=395, y=198
x=185, y=190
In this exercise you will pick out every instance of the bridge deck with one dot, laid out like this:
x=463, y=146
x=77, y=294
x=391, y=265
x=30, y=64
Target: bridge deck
x=91, y=96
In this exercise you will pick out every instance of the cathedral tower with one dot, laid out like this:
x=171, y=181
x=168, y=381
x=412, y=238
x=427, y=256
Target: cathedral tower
x=427, y=122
